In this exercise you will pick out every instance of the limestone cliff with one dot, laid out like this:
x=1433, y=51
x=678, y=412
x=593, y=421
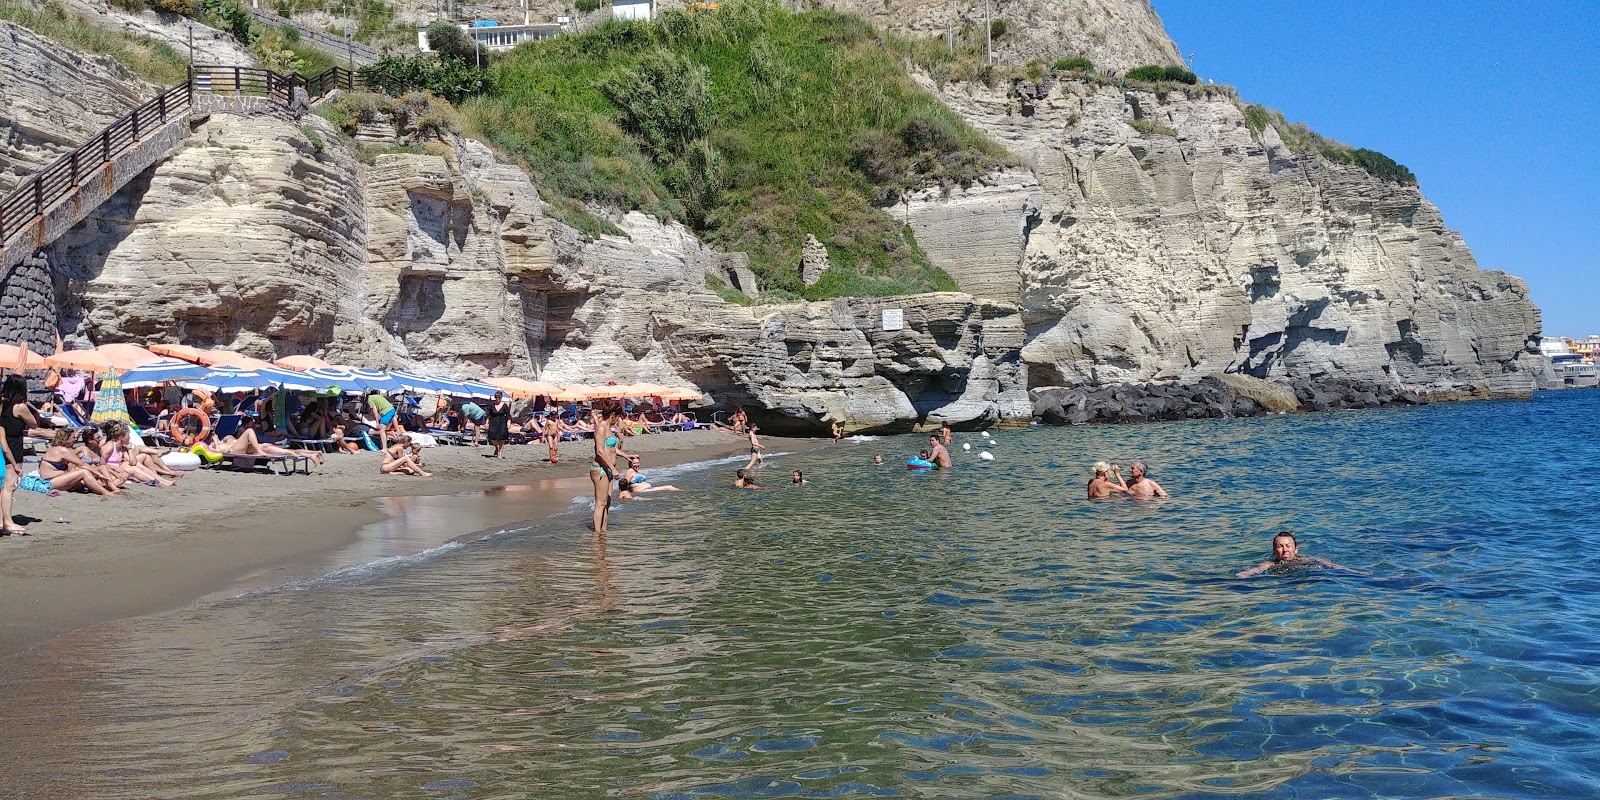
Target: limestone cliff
x=52, y=99
x=270, y=236
x=1203, y=246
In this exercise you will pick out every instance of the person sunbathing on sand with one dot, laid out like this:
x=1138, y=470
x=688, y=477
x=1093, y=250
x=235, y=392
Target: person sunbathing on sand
x=115, y=455
x=119, y=447
x=1286, y=553
x=88, y=449
x=66, y=471
x=248, y=444
x=401, y=458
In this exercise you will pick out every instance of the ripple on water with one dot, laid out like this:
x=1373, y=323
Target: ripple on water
x=982, y=632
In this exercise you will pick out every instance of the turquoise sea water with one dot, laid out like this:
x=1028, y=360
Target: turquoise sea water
x=880, y=633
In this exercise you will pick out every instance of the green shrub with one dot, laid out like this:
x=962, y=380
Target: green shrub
x=1375, y=163
x=231, y=16
x=1149, y=73
x=1079, y=64
x=998, y=28
x=1150, y=127
x=1256, y=118
x=450, y=42
x=447, y=78
x=146, y=57
x=187, y=8
x=1179, y=75
x=588, y=6
x=130, y=5
x=754, y=125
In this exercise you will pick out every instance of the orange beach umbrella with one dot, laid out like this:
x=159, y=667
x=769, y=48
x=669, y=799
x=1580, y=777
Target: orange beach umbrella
x=302, y=362
x=128, y=356
x=15, y=357
x=235, y=360
x=183, y=351
x=88, y=360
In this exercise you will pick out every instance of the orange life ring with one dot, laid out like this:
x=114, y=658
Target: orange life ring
x=183, y=437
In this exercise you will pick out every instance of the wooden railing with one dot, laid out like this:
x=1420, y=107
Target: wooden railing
x=43, y=190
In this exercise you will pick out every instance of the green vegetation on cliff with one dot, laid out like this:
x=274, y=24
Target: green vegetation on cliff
x=753, y=125
x=1301, y=139
x=145, y=57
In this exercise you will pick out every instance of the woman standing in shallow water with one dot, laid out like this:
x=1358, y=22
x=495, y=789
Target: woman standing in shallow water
x=607, y=446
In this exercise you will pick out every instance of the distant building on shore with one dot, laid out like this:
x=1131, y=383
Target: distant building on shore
x=491, y=35
x=1587, y=348
x=640, y=10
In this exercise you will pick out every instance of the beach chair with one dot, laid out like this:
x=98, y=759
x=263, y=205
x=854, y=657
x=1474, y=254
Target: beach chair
x=147, y=427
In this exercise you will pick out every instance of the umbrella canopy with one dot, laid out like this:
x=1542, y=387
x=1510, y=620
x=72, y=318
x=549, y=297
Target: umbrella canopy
x=227, y=379
x=422, y=384
x=110, y=404
x=517, y=387
x=571, y=391
x=30, y=359
x=302, y=362
x=682, y=394
x=128, y=356
x=240, y=361
x=218, y=357
x=353, y=380
x=156, y=373
x=89, y=360
x=474, y=389
x=180, y=351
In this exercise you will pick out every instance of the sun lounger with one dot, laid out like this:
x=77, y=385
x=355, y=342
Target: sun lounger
x=147, y=427
x=280, y=465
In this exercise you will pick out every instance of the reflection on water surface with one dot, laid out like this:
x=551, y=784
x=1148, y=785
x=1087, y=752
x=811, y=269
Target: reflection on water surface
x=885, y=633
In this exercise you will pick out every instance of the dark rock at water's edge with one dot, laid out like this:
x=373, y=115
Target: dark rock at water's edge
x=1210, y=398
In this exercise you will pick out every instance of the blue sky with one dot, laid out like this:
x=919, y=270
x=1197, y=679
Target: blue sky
x=1495, y=107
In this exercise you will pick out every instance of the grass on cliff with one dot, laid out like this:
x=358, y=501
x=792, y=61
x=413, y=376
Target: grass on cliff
x=754, y=125
x=149, y=59
x=1299, y=137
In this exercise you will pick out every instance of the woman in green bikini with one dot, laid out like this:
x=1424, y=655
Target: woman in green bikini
x=607, y=441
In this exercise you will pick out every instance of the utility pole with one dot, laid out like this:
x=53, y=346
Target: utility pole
x=988, y=33
x=191, y=50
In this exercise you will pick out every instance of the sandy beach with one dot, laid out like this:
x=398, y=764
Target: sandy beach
x=91, y=559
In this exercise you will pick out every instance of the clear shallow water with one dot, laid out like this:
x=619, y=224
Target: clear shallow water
x=984, y=633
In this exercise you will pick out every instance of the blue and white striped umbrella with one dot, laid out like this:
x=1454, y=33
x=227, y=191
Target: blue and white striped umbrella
x=377, y=379
x=343, y=378
x=475, y=390
x=156, y=372
x=421, y=384
x=223, y=379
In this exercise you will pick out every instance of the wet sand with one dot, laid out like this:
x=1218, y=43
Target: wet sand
x=224, y=531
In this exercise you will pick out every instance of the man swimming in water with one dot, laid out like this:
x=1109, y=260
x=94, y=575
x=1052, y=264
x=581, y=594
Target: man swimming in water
x=940, y=457
x=1140, y=486
x=1100, y=485
x=1286, y=553
x=744, y=481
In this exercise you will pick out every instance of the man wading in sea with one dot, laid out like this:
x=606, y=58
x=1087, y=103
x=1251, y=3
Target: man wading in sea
x=1141, y=486
x=1101, y=486
x=940, y=458
x=1286, y=553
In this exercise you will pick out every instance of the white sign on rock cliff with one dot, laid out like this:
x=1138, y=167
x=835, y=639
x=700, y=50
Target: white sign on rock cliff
x=894, y=319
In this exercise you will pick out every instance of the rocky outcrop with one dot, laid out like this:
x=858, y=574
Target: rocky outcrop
x=1199, y=246
x=1114, y=34
x=977, y=233
x=813, y=261
x=248, y=237
x=270, y=237
x=54, y=100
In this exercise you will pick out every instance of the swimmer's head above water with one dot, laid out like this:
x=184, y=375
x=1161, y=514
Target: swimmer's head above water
x=1284, y=547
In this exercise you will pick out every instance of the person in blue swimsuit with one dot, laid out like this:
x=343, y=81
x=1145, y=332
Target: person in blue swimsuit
x=634, y=481
x=607, y=446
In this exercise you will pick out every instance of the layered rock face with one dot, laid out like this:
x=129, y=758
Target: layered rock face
x=1114, y=34
x=269, y=236
x=54, y=99
x=1203, y=246
x=243, y=239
